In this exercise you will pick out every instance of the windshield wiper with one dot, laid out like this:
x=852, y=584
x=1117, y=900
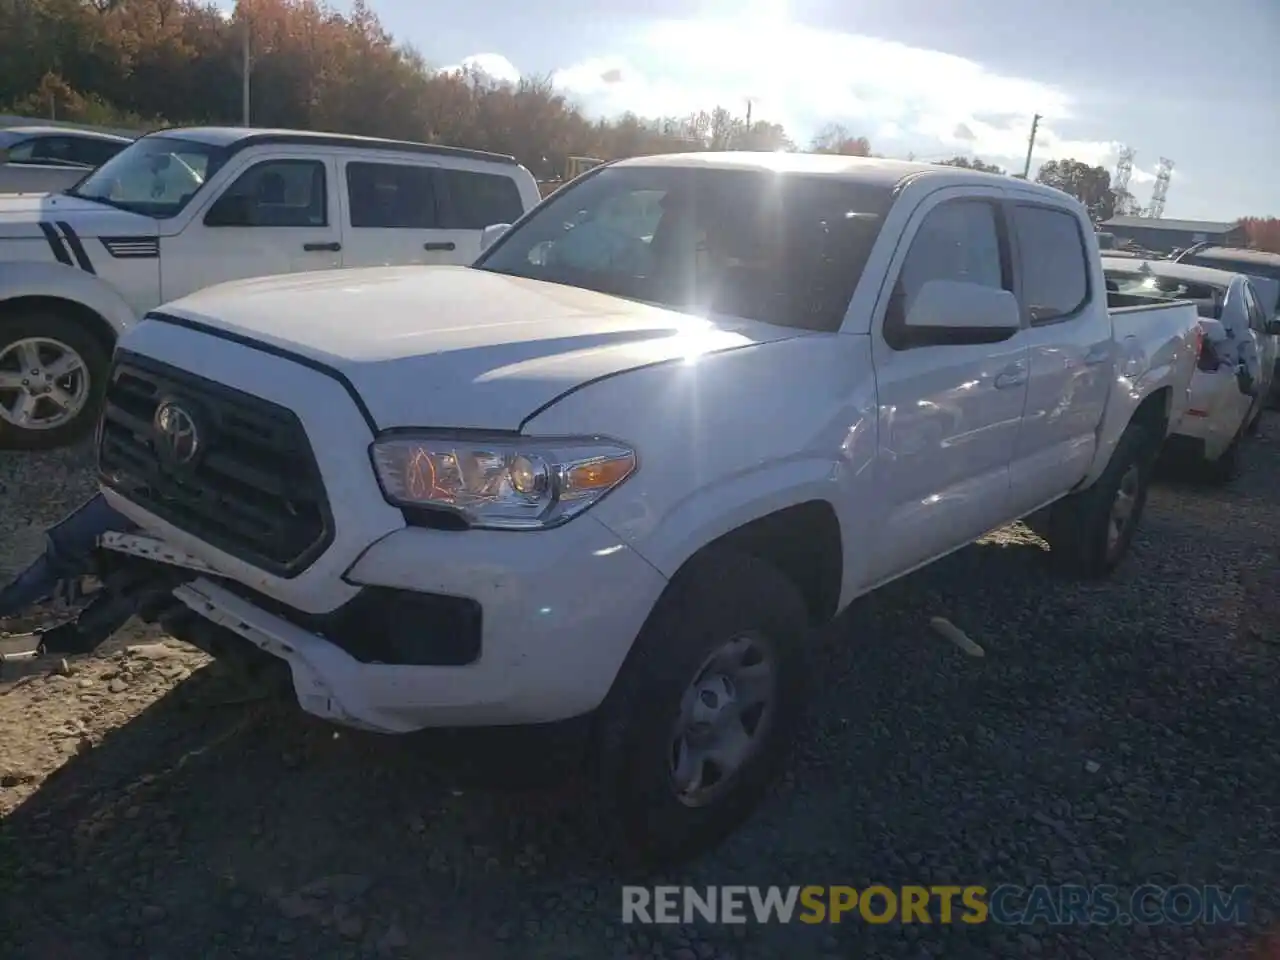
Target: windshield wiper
x=114, y=204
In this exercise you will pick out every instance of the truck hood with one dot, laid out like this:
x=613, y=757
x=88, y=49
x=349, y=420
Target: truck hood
x=22, y=213
x=456, y=347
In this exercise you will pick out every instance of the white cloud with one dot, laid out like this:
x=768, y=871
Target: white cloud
x=923, y=100
x=490, y=66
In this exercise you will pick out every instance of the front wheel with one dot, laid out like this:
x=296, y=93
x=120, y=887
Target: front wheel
x=1090, y=531
x=705, y=708
x=52, y=375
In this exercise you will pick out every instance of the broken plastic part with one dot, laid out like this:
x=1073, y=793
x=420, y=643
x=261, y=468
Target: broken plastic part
x=956, y=636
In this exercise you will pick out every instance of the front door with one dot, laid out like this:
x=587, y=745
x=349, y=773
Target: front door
x=1069, y=338
x=948, y=411
x=278, y=216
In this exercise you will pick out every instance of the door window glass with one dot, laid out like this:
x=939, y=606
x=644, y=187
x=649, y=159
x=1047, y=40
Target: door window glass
x=274, y=193
x=960, y=241
x=478, y=200
x=391, y=196
x=1054, y=261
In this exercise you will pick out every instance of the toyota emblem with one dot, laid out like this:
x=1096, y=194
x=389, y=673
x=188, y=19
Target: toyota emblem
x=177, y=436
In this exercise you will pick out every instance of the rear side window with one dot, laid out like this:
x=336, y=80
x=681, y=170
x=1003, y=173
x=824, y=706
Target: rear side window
x=392, y=196
x=478, y=200
x=1055, y=267
x=94, y=153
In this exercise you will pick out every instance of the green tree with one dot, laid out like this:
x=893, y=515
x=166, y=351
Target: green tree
x=971, y=163
x=1088, y=184
x=836, y=138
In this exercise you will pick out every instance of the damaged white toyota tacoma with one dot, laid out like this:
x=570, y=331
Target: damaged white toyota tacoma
x=682, y=413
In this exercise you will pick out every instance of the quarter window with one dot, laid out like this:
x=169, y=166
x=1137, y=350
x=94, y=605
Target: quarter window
x=392, y=196
x=1055, y=265
x=478, y=200
x=959, y=240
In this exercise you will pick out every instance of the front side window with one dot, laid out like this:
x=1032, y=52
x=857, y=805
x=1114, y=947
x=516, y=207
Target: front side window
x=958, y=240
x=1055, y=263
x=1257, y=318
x=94, y=153
x=274, y=193
x=154, y=176
x=787, y=249
x=391, y=196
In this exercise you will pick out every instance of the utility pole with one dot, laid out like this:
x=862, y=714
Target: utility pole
x=1031, y=146
x=246, y=65
x=748, y=114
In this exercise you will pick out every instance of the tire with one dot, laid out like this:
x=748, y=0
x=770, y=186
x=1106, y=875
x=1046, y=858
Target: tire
x=1227, y=467
x=719, y=596
x=71, y=336
x=1081, y=543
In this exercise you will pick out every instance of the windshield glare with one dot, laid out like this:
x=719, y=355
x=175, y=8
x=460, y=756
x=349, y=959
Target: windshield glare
x=155, y=176
x=1208, y=299
x=784, y=248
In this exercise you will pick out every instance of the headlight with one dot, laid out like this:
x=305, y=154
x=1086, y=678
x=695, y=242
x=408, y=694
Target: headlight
x=509, y=483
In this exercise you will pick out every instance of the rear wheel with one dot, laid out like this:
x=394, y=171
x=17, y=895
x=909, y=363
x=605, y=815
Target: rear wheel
x=52, y=375
x=705, y=709
x=1090, y=532
x=1227, y=467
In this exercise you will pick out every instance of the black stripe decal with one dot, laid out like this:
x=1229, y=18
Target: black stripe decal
x=55, y=243
x=82, y=257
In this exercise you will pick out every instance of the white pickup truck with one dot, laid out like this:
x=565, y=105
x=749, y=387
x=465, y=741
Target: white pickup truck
x=619, y=470
x=183, y=209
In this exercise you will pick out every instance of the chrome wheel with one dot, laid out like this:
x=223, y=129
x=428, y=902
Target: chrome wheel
x=1123, y=507
x=725, y=715
x=44, y=384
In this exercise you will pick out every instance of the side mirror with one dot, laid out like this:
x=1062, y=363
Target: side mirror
x=230, y=210
x=490, y=234
x=955, y=305
x=1273, y=327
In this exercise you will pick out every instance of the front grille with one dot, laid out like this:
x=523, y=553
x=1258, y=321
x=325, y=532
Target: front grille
x=251, y=486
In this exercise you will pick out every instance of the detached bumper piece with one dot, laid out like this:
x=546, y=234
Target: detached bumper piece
x=75, y=568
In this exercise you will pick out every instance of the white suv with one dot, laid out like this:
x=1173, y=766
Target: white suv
x=184, y=209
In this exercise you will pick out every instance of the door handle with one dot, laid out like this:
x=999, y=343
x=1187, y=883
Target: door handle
x=1011, y=377
x=1099, y=354
x=333, y=246
x=441, y=245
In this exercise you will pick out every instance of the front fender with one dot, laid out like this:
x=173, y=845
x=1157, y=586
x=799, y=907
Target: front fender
x=24, y=278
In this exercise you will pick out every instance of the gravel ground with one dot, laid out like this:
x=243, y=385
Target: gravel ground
x=1120, y=733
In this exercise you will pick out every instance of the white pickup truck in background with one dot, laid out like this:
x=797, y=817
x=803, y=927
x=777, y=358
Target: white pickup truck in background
x=184, y=209
x=619, y=470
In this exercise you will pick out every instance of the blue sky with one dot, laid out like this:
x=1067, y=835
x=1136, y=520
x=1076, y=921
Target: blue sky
x=1195, y=82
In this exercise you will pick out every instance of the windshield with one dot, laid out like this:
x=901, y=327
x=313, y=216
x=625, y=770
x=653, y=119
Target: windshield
x=786, y=249
x=154, y=176
x=1207, y=298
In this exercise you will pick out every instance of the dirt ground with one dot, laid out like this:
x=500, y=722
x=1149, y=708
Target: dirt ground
x=1113, y=733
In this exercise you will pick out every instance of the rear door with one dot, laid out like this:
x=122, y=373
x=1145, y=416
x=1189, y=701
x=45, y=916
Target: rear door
x=1071, y=353
x=392, y=215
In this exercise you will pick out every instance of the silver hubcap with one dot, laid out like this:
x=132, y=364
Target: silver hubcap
x=1123, y=506
x=43, y=384
x=724, y=716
